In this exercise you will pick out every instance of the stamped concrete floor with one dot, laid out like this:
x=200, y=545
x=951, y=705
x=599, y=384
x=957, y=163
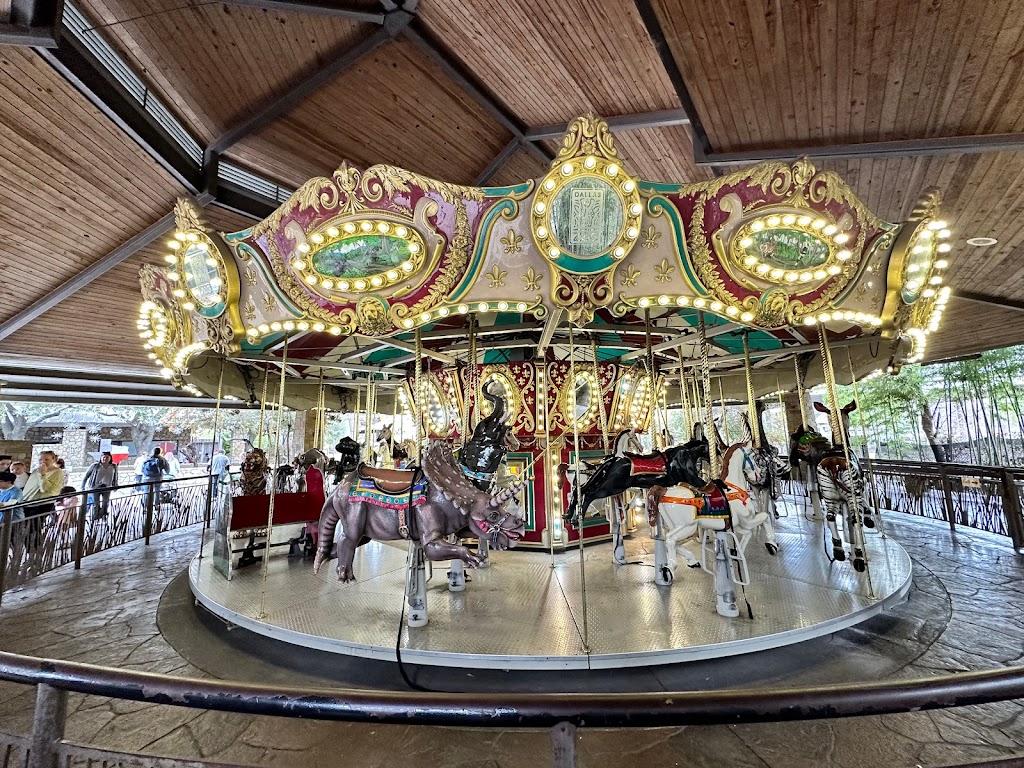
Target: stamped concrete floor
x=130, y=608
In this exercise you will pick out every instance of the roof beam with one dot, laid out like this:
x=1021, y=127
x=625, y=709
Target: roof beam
x=488, y=102
x=701, y=143
x=126, y=250
x=103, y=398
x=993, y=301
x=33, y=23
x=661, y=119
x=945, y=145
x=318, y=8
x=496, y=164
x=314, y=364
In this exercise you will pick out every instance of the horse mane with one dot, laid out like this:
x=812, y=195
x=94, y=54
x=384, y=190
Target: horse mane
x=727, y=457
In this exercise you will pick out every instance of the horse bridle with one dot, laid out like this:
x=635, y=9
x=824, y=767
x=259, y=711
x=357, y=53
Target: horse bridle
x=492, y=530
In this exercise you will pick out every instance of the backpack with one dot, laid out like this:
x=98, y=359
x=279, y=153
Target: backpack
x=153, y=468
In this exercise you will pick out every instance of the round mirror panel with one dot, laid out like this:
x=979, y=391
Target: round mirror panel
x=202, y=277
x=586, y=216
x=438, y=418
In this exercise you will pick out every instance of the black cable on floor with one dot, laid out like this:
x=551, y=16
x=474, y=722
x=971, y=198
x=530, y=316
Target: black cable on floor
x=398, y=655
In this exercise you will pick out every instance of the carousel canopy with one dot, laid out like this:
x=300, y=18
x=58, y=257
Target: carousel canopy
x=236, y=106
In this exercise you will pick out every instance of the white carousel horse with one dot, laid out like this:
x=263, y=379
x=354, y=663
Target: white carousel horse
x=762, y=469
x=725, y=516
x=614, y=507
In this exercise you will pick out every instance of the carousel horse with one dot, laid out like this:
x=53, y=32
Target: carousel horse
x=723, y=512
x=616, y=474
x=840, y=483
x=762, y=468
x=383, y=454
x=483, y=454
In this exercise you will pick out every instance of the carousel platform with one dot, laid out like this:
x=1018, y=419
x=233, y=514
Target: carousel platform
x=526, y=610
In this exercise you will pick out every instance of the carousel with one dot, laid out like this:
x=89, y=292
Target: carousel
x=535, y=476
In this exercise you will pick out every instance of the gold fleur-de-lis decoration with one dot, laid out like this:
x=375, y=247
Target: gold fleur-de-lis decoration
x=497, y=277
x=250, y=276
x=269, y=302
x=250, y=310
x=632, y=275
x=664, y=271
x=511, y=242
x=532, y=279
x=650, y=237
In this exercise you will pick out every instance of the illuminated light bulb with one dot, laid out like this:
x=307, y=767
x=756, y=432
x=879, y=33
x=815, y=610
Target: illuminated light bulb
x=757, y=226
x=539, y=208
x=179, y=293
x=303, y=248
x=824, y=317
x=746, y=242
x=521, y=306
x=936, y=280
x=805, y=276
x=843, y=255
x=619, y=252
x=343, y=285
x=911, y=268
x=392, y=275
x=629, y=186
x=632, y=233
x=936, y=225
x=804, y=221
x=542, y=232
x=332, y=232
x=192, y=237
x=349, y=227
x=831, y=229
x=319, y=327
x=841, y=238
x=211, y=262
x=663, y=300
x=612, y=170
x=776, y=273
x=928, y=293
x=275, y=326
x=443, y=312
x=820, y=274
x=699, y=303
x=762, y=269
x=414, y=247
x=463, y=309
x=788, y=219
x=567, y=169
x=424, y=317
x=636, y=209
x=941, y=264
x=327, y=283
x=407, y=324
x=171, y=258
x=152, y=355
x=834, y=270
x=774, y=221
x=383, y=227
x=366, y=226
x=482, y=307
x=809, y=321
x=303, y=325
x=682, y=301
x=750, y=261
x=335, y=330
x=549, y=184
x=553, y=252
x=289, y=325
x=173, y=245
x=376, y=282
x=216, y=282
x=746, y=317
x=311, y=279
x=792, y=277
x=407, y=266
x=590, y=162
x=731, y=311
x=716, y=306
x=166, y=373
x=188, y=306
x=645, y=302
x=360, y=285
x=173, y=276
x=944, y=248
x=818, y=224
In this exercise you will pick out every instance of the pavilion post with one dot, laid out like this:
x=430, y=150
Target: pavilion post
x=5, y=547
x=1012, y=509
x=947, y=495
x=563, y=745
x=47, y=726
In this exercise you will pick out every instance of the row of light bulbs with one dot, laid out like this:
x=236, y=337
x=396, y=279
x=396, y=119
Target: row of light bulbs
x=177, y=270
x=482, y=307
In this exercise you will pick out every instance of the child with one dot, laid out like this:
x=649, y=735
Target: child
x=10, y=494
x=67, y=509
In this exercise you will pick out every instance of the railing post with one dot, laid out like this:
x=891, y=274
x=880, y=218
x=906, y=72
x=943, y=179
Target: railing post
x=947, y=494
x=47, y=726
x=79, y=544
x=5, y=547
x=563, y=745
x=209, y=502
x=1012, y=509
x=148, y=525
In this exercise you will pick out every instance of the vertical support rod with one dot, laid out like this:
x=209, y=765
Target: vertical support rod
x=147, y=525
x=579, y=487
x=7, y=519
x=549, y=465
x=709, y=417
x=263, y=407
x=725, y=413
x=872, y=488
x=216, y=443
x=47, y=726
x=563, y=745
x=947, y=495
x=79, y=544
x=748, y=374
x=800, y=388
x=273, y=486
x=1012, y=509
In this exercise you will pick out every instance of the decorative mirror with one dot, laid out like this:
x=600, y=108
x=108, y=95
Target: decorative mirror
x=581, y=400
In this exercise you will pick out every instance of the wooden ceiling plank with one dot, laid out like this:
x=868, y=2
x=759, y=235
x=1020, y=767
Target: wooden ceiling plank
x=941, y=73
x=991, y=116
x=906, y=121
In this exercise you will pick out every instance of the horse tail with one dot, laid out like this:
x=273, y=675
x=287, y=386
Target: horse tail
x=654, y=497
x=562, y=470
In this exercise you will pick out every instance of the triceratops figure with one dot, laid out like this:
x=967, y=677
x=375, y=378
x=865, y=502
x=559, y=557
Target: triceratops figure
x=427, y=505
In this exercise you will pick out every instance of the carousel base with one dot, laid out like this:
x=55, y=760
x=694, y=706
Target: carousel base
x=523, y=612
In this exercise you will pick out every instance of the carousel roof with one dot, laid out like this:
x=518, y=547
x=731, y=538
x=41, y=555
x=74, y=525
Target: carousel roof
x=238, y=104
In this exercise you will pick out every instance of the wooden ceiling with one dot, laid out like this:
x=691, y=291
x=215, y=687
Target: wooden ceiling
x=753, y=75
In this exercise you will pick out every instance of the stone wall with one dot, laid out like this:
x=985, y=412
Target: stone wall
x=21, y=450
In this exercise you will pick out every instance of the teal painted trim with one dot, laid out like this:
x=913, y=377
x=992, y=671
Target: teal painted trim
x=530, y=512
x=235, y=236
x=256, y=257
x=212, y=312
x=584, y=266
x=661, y=204
x=265, y=342
x=515, y=190
x=658, y=188
x=483, y=238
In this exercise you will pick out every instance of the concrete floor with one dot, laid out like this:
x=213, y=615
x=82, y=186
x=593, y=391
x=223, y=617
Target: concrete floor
x=129, y=608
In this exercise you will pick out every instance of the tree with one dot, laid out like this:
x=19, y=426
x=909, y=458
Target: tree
x=16, y=419
x=144, y=421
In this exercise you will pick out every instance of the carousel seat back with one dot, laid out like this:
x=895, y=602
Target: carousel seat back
x=388, y=480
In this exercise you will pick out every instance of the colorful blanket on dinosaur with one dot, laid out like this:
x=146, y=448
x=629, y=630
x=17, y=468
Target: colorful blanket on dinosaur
x=367, y=490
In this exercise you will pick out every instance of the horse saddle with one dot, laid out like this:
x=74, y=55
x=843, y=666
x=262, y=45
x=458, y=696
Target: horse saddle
x=388, y=480
x=711, y=500
x=646, y=464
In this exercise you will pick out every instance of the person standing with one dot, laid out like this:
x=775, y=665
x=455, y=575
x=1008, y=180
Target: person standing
x=10, y=495
x=100, y=478
x=153, y=470
x=5, y=462
x=20, y=471
x=45, y=482
x=139, y=461
x=220, y=465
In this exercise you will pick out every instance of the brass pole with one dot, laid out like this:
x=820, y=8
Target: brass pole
x=579, y=486
x=755, y=437
x=709, y=418
x=273, y=486
x=263, y=407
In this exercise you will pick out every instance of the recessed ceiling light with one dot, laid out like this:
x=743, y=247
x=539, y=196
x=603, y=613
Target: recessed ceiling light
x=982, y=241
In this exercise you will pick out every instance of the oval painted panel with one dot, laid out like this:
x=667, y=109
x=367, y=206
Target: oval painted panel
x=361, y=256
x=586, y=216
x=785, y=248
x=201, y=275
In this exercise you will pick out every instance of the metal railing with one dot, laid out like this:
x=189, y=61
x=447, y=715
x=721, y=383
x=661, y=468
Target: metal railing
x=41, y=535
x=561, y=713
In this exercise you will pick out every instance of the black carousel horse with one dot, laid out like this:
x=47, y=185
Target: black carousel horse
x=679, y=464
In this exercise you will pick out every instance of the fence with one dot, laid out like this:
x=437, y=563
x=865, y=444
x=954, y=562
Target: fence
x=64, y=529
